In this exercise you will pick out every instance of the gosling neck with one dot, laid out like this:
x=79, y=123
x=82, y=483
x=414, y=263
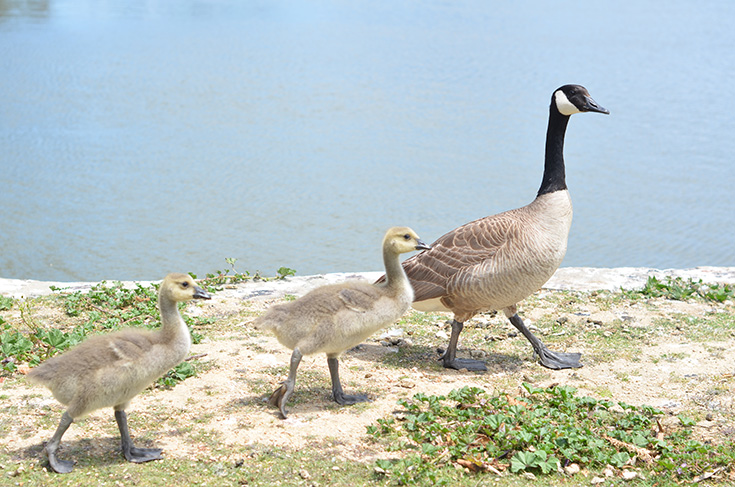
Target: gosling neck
x=395, y=276
x=172, y=325
x=554, y=175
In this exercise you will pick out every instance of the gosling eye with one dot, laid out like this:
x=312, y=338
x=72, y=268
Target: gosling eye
x=407, y=237
x=184, y=284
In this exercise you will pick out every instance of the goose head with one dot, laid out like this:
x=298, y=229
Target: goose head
x=571, y=99
x=402, y=239
x=181, y=287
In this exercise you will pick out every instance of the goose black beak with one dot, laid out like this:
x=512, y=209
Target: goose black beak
x=200, y=293
x=422, y=246
x=591, y=105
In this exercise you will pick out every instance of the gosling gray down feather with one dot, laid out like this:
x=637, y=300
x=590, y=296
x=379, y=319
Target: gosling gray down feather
x=334, y=318
x=109, y=370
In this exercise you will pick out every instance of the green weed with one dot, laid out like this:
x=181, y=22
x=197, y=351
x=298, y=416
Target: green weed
x=540, y=432
x=214, y=281
x=6, y=303
x=682, y=290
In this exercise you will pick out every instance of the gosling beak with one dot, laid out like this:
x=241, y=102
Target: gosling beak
x=591, y=105
x=421, y=245
x=200, y=293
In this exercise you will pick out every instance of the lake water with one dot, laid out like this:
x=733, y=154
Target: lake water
x=142, y=137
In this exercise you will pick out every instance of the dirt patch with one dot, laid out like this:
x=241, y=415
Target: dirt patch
x=223, y=412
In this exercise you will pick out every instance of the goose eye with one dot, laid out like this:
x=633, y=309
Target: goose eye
x=185, y=284
x=407, y=237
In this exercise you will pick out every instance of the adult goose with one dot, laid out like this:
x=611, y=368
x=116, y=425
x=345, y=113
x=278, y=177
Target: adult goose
x=109, y=370
x=334, y=318
x=495, y=262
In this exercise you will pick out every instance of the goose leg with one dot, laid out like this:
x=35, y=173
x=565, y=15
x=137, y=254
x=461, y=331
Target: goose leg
x=450, y=356
x=59, y=466
x=133, y=454
x=280, y=396
x=549, y=359
x=339, y=396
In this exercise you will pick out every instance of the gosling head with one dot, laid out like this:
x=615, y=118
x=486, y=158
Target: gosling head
x=571, y=99
x=402, y=239
x=181, y=287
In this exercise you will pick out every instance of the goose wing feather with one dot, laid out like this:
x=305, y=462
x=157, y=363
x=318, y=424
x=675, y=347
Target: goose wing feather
x=459, y=255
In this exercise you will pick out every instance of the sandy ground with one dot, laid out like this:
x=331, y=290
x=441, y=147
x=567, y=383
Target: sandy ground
x=223, y=412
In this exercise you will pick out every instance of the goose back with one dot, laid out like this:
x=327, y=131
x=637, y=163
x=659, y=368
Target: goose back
x=493, y=262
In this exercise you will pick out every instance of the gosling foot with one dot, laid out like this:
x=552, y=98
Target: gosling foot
x=339, y=396
x=59, y=466
x=142, y=455
x=279, y=397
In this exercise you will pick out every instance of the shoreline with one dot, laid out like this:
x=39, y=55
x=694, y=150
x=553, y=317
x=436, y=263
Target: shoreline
x=565, y=278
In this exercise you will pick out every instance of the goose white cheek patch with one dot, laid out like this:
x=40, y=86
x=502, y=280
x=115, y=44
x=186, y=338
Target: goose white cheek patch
x=563, y=104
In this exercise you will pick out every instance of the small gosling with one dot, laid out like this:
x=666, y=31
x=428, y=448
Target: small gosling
x=337, y=317
x=109, y=370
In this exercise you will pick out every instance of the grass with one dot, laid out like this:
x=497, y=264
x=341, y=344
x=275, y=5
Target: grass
x=456, y=439
x=105, y=307
x=683, y=289
x=541, y=432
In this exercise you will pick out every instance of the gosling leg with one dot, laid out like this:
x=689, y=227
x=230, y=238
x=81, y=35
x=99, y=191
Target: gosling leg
x=280, y=396
x=339, y=396
x=59, y=466
x=547, y=358
x=450, y=359
x=133, y=454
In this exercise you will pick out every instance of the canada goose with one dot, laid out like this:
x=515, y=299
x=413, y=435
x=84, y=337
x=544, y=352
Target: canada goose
x=334, y=318
x=495, y=262
x=109, y=370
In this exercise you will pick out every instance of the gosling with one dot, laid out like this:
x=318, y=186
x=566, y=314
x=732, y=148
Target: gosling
x=109, y=370
x=337, y=317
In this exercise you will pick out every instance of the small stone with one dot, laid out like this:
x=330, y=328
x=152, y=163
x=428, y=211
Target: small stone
x=441, y=334
x=597, y=480
x=629, y=474
x=304, y=474
x=572, y=469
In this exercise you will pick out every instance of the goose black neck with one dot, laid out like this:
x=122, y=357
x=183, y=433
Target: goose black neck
x=554, y=176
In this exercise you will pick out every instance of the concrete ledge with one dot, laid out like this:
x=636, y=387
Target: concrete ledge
x=566, y=278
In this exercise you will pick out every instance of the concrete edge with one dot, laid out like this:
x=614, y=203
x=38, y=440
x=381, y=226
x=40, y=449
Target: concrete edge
x=566, y=278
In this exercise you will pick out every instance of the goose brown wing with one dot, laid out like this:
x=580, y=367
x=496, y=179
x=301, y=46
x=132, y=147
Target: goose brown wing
x=457, y=253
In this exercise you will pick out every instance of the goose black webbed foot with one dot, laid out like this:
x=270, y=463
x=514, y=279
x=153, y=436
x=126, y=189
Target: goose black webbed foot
x=347, y=400
x=547, y=358
x=464, y=363
x=558, y=360
x=449, y=358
